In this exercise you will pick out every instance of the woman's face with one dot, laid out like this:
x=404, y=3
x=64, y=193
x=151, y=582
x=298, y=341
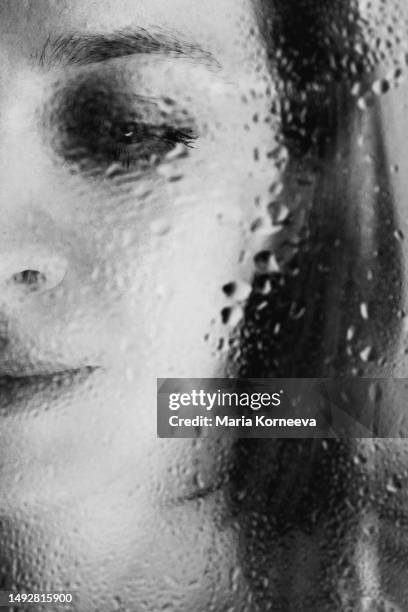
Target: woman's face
x=135, y=153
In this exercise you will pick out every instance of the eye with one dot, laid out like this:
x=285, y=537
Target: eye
x=138, y=142
x=94, y=125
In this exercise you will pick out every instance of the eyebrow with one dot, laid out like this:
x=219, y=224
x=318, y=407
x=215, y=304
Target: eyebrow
x=83, y=49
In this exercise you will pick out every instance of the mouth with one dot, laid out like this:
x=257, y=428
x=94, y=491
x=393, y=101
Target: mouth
x=21, y=393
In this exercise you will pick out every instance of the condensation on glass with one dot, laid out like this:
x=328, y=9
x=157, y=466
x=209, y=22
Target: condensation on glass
x=197, y=190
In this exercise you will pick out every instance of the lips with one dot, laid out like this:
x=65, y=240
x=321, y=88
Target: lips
x=21, y=393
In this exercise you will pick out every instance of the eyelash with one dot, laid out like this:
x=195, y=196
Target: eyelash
x=156, y=140
x=96, y=128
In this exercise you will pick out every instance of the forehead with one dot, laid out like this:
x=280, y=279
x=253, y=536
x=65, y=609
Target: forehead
x=220, y=26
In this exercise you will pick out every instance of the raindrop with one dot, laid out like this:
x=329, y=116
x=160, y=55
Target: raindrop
x=265, y=227
x=364, y=310
x=350, y=333
x=266, y=262
x=177, y=152
x=232, y=316
x=366, y=353
x=297, y=314
x=392, y=485
x=160, y=227
x=263, y=285
x=364, y=102
x=355, y=90
x=239, y=291
x=380, y=86
x=374, y=392
x=234, y=579
x=280, y=213
x=113, y=170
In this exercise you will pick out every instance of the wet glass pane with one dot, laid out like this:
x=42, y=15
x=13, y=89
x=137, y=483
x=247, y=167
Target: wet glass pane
x=198, y=190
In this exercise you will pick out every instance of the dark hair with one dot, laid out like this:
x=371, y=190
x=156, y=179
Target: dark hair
x=297, y=501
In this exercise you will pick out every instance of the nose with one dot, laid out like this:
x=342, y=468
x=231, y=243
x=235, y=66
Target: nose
x=31, y=269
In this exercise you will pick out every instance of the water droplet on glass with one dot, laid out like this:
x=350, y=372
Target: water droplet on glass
x=366, y=353
x=177, y=152
x=232, y=316
x=392, y=485
x=380, y=86
x=159, y=227
x=266, y=262
x=265, y=227
x=280, y=213
x=350, y=333
x=113, y=170
x=239, y=290
x=364, y=310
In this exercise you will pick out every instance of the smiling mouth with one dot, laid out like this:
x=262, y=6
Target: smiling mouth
x=20, y=393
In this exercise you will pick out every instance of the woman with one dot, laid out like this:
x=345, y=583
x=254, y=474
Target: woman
x=143, y=169
x=134, y=158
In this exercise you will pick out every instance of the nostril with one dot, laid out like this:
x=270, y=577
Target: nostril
x=31, y=270
x=33, y=278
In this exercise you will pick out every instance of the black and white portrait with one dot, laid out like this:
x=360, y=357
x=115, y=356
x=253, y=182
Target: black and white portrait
x=196, y=190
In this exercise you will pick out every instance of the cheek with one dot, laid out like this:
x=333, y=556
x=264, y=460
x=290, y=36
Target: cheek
x=172, y=296
x=164, y=248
